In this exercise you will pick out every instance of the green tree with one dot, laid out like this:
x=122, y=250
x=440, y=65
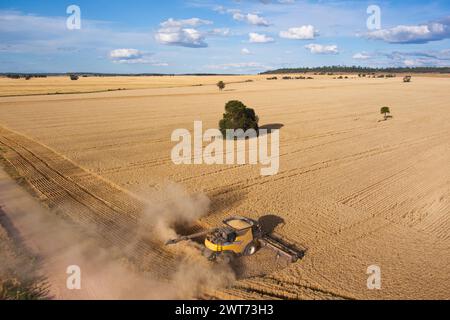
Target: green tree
x=221, y=85
x=238, y=116
x=385, y=111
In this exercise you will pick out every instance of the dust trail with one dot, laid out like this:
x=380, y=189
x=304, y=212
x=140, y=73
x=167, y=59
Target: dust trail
x=106, y=271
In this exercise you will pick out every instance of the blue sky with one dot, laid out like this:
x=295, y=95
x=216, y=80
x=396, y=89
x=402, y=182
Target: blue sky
x=211, y=36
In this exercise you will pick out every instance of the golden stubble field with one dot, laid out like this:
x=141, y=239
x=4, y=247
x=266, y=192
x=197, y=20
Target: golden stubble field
x=353, y=191
x=63, y=84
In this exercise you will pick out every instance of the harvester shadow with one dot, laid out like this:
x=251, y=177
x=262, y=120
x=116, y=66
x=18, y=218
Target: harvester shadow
x=269, y=223
x=266, y=261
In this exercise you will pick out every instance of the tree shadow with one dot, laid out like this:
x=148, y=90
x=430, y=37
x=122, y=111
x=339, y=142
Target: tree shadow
x=270, y=127
x=386, y=118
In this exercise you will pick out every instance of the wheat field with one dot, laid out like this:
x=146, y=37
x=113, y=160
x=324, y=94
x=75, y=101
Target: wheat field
x=353, y=191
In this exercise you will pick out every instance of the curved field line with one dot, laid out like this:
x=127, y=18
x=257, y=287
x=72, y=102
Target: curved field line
x=85, y=199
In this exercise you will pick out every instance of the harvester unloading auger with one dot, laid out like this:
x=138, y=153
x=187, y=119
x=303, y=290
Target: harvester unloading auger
x=239, y=236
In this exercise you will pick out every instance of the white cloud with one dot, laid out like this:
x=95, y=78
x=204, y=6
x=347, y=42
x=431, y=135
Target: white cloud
x=239, y=65
x=193, y=22
x=411, y=63
x=21, y=32
x=245, y=51
x=299, y=33
x=419, y=58
x=125, y=54
x=252, y=19
x=433, y=31
x=181, y=33
x=408, y=58
x=221, y=9
x=220, y=32
x=322, y=49
x=160, y=64
x=134, y=56
x=259, y=38
x=361, y=56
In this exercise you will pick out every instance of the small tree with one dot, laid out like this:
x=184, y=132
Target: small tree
x=238, y=116
x=385, y=111
x=221, y=85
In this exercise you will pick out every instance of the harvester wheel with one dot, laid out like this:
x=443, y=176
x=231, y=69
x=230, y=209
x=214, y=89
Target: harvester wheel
x=251, y=249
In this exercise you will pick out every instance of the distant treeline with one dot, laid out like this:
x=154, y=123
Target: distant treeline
x=354, y=69
x=25, y=76
x=90, y=74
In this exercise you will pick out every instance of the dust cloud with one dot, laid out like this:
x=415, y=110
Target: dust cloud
x=106, y=271
x=172, y=208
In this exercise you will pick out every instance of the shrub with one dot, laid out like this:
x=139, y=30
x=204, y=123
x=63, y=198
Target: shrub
x=221, y=85
x=407, y=79
x=385, y=111
x=238, y=116
x=74, y=77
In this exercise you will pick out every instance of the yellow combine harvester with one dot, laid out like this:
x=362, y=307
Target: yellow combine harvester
x=239, y=236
